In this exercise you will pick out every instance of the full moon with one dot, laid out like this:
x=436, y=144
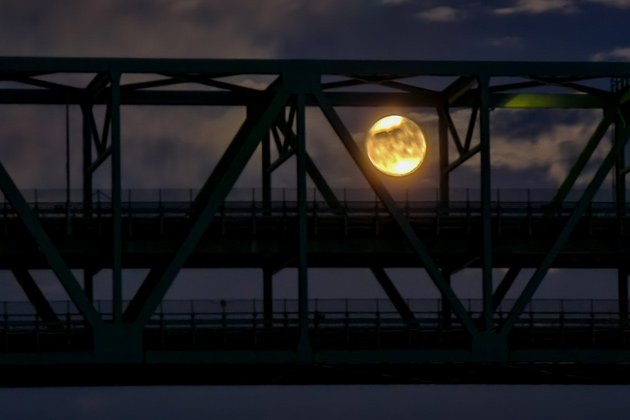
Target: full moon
x=395, y=145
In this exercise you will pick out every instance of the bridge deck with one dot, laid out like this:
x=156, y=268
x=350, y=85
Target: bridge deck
x=358, y=234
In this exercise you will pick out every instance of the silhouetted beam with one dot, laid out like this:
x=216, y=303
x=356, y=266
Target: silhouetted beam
x=486, y=201
x=210, y=198
x=463, y=158
x=358, y=68
x=350, y=99
x=96, y=85
x=36, y=297
x=580, y=163
x=505, y=285
x=459, y=87
x=622, y=296
x=393, y=294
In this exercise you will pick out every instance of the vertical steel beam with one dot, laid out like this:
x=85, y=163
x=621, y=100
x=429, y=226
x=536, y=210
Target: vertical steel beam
x=68, y=183
x=622, y=289
x=620, y=176
x=87, y=160
x=265, y=165
x=445, y=308
x=86, y=112
x=620, y=133
x=268, y=296
x=116, y=198
x=302, y=248
x=444, y=158
x=88, y=283
x=486, y=204
x=266, y=173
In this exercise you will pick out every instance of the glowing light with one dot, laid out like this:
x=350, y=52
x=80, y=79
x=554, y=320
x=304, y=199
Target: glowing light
x=395, y=145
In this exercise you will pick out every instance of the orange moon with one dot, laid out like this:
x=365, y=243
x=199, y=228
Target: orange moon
x=395, y=145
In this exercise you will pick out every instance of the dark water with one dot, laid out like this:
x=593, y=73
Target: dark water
x=319, y=402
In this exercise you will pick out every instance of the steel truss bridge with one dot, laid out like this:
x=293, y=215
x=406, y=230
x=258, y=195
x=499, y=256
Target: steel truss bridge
x=84, y=341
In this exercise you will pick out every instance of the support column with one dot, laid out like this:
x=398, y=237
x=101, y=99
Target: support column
x=304, y=346
x=444, y=159
x=88, y=273
x=268, y=297
x=266, y=174
x=88, y=283
x=620, y=177
x=445, y=308
x=116, y=199
x=87, y=162
x=486, y=204
x=622, y=288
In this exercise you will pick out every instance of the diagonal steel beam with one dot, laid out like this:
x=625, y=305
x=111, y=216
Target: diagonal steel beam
x=458, y=88
x=52, y=254
x=581, y=162
x=251, y=124
x=88, y=112
x=463, y=158
x=320, y=182
x=471, y=126
x=393, y=294
x=582, y=205
x=97, y=85
x=379, y=188
x=280, y=161
x=150, y=84
x=416, y=90
x=505, y=285
x=453, y=130
x=311, y=169
x=212, y=194
x=45, y=84
x=36, y=297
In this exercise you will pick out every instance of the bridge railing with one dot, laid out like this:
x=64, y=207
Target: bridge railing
x=355, y=313
x=356, y=201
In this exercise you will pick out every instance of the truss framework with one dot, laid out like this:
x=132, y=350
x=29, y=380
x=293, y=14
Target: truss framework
x=276, y=118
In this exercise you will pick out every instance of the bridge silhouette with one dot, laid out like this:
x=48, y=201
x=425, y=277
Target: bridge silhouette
x=149, y=340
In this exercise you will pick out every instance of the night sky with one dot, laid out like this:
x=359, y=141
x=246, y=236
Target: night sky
x=530, y=30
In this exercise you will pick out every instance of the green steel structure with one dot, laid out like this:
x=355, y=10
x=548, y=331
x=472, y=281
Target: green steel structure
x=136, y=342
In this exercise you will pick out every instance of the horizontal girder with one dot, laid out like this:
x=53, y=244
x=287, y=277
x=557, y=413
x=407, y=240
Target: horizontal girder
x=10, y=65
x=246, y=236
